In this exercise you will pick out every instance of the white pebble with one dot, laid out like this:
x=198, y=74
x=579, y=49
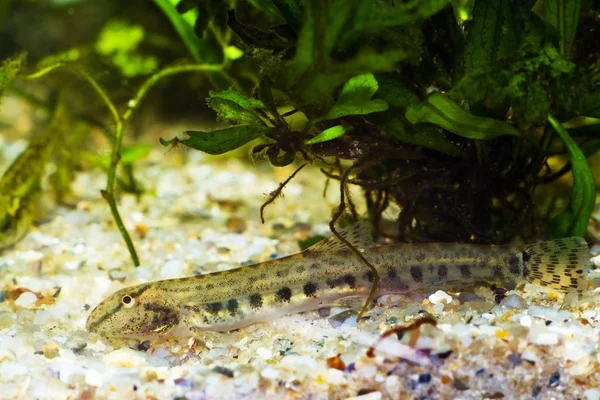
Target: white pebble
x=440, y=297
x=529, y=356
x=392, y=384
x=42, y=317
x=525, y=321
x=545, y=338
x=513, y=301
x=93, y=378
x=592, y=394
x=143, y=273
x=335, y=376
x=125, y=358
x=438, y=308
x=264, y=353
x=26, y=299
x=269, y=373
x=172, y=269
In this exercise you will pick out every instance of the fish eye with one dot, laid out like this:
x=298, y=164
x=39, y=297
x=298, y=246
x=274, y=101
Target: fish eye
x=127, y=301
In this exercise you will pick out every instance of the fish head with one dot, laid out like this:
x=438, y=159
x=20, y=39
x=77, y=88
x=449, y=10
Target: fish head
x=137, y=312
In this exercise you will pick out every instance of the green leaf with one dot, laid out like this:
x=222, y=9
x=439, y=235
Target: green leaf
x=437, y=109
x=9, y=70
x=564, y=16
x=573, y=221
x=312, y=76
x=423, y=135
x=372, y=16
x=221, y=140
x=492, y=34
x=329, y=134
x=201, y=50
x=246, y=103
x=355, y=98
x=232, y=113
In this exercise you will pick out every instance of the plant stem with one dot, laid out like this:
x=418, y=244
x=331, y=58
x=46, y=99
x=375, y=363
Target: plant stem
x=108, y=193
x=168, y=71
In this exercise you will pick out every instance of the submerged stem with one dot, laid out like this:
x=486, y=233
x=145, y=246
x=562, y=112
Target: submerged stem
x=108, y=193
x=336, y=216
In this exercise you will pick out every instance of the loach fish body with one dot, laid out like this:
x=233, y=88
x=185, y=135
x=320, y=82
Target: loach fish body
x=326, y=273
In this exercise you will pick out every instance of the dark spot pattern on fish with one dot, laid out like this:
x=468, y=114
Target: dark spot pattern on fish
x=284, y=295
x=256, y=301
x=416, y=273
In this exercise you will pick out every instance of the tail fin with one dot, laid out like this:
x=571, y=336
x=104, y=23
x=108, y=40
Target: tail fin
x=559, y=264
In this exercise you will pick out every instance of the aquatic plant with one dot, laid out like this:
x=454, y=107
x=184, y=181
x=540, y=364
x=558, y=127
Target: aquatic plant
x=466, y=114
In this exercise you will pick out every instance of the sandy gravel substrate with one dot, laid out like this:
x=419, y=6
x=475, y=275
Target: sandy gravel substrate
x=201, y=216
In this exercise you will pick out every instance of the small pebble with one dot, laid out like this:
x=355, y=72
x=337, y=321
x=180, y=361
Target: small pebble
x=515, y=359
x=592, y=394
x=345, y=318
x=124, y=358
x=50, y=350
x=94, y=378
x=424, y=378
x=513, y=301
x=26, y=299
x=335, y=376
x=223, y=371
x=554, y=380
x=264, y=353
x=440, y=297
x=269, y=373
x=460, y=384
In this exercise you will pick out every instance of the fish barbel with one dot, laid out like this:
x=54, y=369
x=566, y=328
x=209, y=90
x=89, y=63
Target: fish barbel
x=325, y=273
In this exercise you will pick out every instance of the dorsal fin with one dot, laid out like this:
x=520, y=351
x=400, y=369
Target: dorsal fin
x=358, y=234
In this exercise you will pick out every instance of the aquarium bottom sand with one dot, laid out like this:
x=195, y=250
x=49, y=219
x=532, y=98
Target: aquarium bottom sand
x=202, y=216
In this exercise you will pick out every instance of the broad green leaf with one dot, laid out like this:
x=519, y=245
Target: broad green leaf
x=312, y=76
x=573, y=221
x=247, y=103
x=438, y=110
x=355, y=98
x=9, y=70
x=372, y=16
x=201, y=50
x=493, y=33
x=231, y=112
x=564, y=16
x=329, y=134
x=426, y=136
x=221, y=140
